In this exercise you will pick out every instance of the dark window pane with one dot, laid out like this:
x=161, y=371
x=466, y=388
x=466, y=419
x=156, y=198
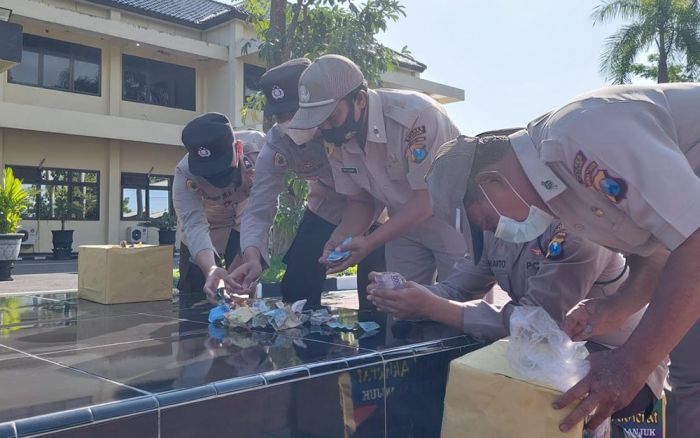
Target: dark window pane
x=162, y=84
x=158, y=203
x=134, y=78
x=251, y=80
x=135, y=179
x=27, y=72
x=56, y=71
x=86, y=77
x=28, y=175
x=185, y=84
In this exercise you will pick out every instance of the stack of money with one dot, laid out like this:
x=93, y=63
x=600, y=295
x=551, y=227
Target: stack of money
x=390, y=280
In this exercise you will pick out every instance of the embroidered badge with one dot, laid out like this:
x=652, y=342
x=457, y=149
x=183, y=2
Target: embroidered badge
x=588, y=173
x=304, y=94
x=549, y=185
x=280, y=160
x=247, y=163
x=277, y=93
x=308, y=166
x=203, y=152
x=555, y=248
x=614, y=189
x=579, y=161
x=414, y=133
x=329, y=148
x=191, y=186
x=417, y=153
x=348, y=169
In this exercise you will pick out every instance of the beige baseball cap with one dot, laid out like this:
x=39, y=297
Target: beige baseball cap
x=447, y=185
x=322, y=86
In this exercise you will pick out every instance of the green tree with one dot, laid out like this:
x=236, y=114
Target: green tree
x=669, y=28
x=311, y=28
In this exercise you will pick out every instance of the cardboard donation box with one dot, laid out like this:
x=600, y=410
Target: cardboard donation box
x=110, y=274
x=484, y=399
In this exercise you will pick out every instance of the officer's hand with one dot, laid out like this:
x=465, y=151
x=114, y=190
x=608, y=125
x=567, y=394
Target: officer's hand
x=612, y=382
x=215, y=278
x=411, y=302
x=359, y=248
x=244, y=278
x=594, y=317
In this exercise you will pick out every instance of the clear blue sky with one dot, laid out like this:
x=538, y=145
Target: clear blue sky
x=515, y=59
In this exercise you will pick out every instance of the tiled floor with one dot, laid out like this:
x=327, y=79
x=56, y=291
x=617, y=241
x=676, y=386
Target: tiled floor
x=159, y=369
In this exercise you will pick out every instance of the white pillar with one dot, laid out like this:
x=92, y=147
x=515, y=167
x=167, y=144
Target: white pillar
x=114, y=199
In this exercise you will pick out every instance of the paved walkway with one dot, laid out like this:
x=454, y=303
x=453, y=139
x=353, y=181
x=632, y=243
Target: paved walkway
x=42, y=276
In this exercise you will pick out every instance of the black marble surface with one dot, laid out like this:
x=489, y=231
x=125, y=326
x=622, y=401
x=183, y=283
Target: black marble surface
x=106, y=370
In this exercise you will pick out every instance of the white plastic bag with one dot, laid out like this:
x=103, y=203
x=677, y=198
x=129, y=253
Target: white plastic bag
x=541, y=352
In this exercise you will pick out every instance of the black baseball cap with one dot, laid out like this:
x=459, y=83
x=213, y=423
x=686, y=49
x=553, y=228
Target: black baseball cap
x=281, y=86
x=209, y=141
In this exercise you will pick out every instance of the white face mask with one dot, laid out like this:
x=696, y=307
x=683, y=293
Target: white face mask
x=528, y=230
x=298, y=136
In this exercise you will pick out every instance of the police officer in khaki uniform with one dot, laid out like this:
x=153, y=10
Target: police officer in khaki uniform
x=211, y=185
x=618, y=166
x=304, y=276
x=383, y=143
x=554, y=271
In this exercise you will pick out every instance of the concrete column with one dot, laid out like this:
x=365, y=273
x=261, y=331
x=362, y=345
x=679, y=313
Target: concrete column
x=114, y=78
x=2, y=149
x=114, y=200
x=3, y=81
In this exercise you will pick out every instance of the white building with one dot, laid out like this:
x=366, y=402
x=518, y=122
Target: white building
x=96, y=106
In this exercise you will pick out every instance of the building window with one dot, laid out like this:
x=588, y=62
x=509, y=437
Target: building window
x=158, y=83
x=58, y=65
x=145, y=196
x=251, y=80
x=77, y=190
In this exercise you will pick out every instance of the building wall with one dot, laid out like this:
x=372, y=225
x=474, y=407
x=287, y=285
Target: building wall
x=74, y=131
x=29, y=148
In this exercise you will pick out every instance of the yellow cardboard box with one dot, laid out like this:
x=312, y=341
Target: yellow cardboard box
x=485, y=400
x=110, y=274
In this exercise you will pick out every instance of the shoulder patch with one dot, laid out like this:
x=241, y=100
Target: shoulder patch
x=579, y=161
x=280, y=160
x=417, y=152
x=615, y=189
x=414, y=134
x=191, y=186
x=555, y=248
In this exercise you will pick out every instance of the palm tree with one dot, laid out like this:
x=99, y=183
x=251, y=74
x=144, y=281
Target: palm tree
x=671, y=27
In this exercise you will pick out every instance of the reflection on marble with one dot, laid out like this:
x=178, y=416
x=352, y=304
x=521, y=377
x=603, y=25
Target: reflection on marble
x=33, y=387
x=58, y=352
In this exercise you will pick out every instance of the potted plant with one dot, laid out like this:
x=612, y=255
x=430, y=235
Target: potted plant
x=166, y=224
x=14, y=200
x=62, y=239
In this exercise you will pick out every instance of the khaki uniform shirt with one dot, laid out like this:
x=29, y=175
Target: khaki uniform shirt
x=404, y=131
x=619, y=165
x=207, y=214
x=279, y=155
x=531, y=278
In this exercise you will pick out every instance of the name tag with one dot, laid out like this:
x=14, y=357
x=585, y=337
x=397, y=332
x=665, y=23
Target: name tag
x=349, y=169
